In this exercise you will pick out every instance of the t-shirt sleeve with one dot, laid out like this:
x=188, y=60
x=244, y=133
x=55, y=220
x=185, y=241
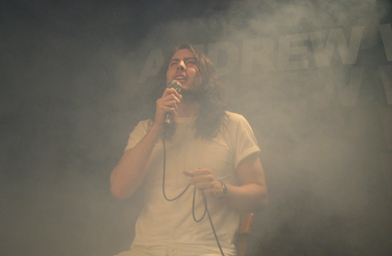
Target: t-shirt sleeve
x=138, y=133
x=245, y=143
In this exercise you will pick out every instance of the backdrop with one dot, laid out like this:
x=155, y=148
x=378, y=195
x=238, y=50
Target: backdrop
x=314, y=79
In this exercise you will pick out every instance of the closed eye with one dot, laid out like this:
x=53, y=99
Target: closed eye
x=190, y=61
x=172, y=63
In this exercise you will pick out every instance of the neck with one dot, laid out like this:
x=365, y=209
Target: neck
x=188, y=106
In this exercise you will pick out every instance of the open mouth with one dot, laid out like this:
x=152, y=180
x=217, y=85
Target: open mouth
x=180, y=78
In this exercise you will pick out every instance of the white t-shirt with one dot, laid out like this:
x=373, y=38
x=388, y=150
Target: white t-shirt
x=171, y=223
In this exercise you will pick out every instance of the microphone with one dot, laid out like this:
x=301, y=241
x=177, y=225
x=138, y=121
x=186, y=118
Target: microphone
x=177, y=86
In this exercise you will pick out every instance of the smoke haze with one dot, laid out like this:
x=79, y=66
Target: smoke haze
x=72, y=89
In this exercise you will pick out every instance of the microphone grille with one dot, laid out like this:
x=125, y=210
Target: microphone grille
x=176, y=85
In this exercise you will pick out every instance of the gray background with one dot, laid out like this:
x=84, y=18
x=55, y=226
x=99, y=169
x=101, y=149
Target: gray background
x=70, y=94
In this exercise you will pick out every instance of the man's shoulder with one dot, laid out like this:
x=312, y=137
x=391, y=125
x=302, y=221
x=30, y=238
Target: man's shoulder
x=235, y=121
x=144, y=124
x=235, y=117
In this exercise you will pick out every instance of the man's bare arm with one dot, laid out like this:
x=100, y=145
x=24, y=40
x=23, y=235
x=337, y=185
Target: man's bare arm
x=129, y=173
x=250, y=195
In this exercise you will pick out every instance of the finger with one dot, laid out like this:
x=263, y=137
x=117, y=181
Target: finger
x=202, y=174
x=164, y=106
x=161, y=110
x=205, y=185
x=169, y=104
x=210, y=188
x=172, y=104
x=199, y=171
x=170, y=99
x=202, y=179
x=188, y=173
x=170, y=96
x=171, y=91
x=207, y=192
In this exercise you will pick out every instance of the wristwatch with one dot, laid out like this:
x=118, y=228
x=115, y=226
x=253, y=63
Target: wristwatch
x=224, y=190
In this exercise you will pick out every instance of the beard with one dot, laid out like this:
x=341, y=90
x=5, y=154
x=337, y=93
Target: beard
x=191, y=94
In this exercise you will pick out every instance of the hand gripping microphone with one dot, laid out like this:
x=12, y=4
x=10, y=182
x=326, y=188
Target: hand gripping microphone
x=177, y=86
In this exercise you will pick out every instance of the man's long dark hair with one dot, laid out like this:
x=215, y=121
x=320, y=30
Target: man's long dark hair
x=211, y=115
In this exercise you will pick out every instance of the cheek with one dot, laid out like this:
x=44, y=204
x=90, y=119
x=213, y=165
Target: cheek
x=196, y=76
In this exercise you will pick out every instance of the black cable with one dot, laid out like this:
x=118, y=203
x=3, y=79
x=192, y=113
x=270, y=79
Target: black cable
x=193, y=207
x=164, y=177
x=193, y=201
x=212, y=225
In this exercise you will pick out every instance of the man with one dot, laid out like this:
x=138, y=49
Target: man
x=206, y=146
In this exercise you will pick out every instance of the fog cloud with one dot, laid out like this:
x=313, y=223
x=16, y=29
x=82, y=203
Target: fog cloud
x=72, y=93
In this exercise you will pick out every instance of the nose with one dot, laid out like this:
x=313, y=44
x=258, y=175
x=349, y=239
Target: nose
x=181, y=65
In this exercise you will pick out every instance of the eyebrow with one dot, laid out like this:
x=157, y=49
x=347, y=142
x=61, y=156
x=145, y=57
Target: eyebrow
x=185, y=59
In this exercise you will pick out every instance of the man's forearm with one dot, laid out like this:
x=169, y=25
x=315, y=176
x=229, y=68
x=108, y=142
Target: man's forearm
x=127, y=176
x=246, y=198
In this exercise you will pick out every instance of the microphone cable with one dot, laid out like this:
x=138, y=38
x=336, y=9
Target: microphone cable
x=164, y=177
x=206, y=211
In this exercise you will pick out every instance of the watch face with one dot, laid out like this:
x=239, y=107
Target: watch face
x=224, y=189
